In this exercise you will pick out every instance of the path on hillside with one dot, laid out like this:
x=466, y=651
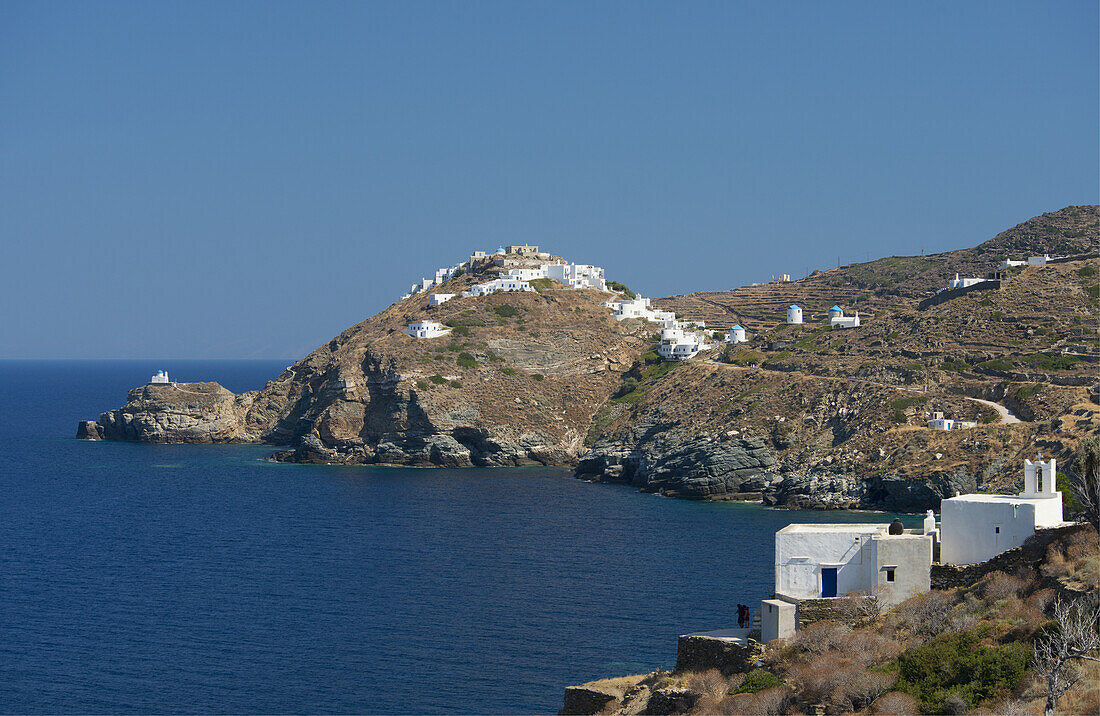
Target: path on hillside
x=1006, y=417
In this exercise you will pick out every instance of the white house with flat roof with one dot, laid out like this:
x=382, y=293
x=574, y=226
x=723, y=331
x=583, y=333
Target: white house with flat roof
x=1038, y=260
x=794, y=315
x=939, y=422
x=576, y=275
x=736, y=334
x=822, y=561
x=975, y=527
x=438, y=299
x=497, y=285
x=426, y=329
x=962, y=282
x=1009, y=263
x=679, y=344
x=160, y=378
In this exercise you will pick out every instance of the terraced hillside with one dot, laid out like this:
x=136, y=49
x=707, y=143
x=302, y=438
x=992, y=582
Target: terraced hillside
x=838, y=417
x=892, y=282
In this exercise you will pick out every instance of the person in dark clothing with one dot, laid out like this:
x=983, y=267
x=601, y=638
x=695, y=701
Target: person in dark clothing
x=747, y=616
x=741, y=616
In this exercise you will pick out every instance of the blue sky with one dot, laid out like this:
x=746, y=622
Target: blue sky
x=238, y=180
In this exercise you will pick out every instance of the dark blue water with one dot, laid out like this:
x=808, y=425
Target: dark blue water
x=160, y=578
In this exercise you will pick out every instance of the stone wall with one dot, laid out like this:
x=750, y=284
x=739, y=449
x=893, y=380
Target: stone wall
x=1029, y=554
x=947, y=295
x=837, y=609
x=700, y=653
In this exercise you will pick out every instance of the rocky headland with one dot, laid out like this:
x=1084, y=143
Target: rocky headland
x=799, y=416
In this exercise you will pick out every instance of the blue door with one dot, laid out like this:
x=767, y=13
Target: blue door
x=828, y=581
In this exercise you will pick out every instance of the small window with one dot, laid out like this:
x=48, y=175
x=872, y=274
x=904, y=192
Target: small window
x=996, y=530
x=890, y=575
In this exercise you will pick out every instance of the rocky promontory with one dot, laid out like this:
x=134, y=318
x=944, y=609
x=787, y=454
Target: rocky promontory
x=799, y=416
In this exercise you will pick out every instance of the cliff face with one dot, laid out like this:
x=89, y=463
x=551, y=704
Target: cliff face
x=801, y=416
x=515, y=383
x=177, y=413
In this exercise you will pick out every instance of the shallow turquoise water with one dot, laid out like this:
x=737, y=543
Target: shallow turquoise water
x=164, y=578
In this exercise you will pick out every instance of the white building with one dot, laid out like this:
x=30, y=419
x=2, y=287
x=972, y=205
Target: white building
x=577, y=275
x=678, y=344
x=962, y=282
x=939, y=422
x=736, y=335
x=497, y=285
x=975, y=528
x=161, y=378
x=821, y=561
x=1008, y=263
x=438, y=299
x=794, y=315
x=639, y=307
x=426, y=329
x=837, y=319
x=527, y=274
x=1038, y=260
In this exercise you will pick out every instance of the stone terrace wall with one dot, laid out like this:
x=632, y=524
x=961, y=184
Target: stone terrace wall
x=700, y=653
x=1029, y=554
x=836, y=609
x=947, y=295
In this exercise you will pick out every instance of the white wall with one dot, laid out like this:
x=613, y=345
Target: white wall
x=777, y=619
x=911, y=557
x=847, y=548
x=973, y=531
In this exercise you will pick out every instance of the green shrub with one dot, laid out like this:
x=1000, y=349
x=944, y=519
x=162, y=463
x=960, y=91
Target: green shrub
x=1042, y=361
x=505, y=311
x=1086, y=271
x=1028, y=391
x=438, y=379
x=955, y=365
x=629, y=385
x=756, y=680
x=465, y=360
x=507, y=370
x=493, y=357
x=899, y=406
x=745, y=358
x=456, y=384
x=542, y=284
x=466, y=321
x=997, y=364
x=621, y=288
x=421, y=385
x=537, y=376
x=651, y=357
x=959, y=665
x=461, y=330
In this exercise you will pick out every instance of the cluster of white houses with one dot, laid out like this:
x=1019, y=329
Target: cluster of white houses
x=822, y=561
x=572, y=275
x=966, y=282
x=680, y=340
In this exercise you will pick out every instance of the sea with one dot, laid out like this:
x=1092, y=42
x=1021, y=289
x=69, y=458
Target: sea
x=204, y=578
